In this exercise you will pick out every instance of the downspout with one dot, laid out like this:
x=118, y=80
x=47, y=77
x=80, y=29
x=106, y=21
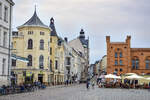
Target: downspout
x=9, y=52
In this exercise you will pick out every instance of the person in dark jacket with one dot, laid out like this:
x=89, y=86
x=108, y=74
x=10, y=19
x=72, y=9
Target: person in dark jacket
x=88, y=83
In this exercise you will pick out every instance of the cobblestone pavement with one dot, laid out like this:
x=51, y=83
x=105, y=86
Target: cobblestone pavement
x=79, y=92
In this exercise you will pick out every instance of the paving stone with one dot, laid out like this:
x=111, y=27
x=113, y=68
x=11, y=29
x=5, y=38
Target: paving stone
x=79, y=92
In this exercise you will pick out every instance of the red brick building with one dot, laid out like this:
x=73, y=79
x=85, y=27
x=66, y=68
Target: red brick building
x=121, y=58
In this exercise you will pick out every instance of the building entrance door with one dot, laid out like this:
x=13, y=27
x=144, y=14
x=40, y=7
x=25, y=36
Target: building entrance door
x=40, y=78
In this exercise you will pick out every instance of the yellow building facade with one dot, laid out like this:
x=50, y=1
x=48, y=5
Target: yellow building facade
x=32, y=41
x=56, y=55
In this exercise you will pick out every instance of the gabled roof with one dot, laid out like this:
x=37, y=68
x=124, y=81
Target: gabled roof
x=34, y=21
x=52, y=26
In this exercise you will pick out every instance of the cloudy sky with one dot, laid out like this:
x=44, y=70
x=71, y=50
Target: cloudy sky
x=98, y=18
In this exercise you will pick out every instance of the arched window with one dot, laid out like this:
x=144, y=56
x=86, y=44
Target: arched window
x=147, y=63
x=135, y=63
x=41, y=62
x=30, y=44
x=30, y=60
x=50, y=65
x=41, y=44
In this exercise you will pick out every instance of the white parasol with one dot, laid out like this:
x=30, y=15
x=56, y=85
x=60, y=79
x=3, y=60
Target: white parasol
x=112, y=76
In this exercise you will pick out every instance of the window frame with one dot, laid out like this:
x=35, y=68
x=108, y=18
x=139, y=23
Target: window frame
x=121, y=62
x=1, y=10
x=41, y=61
x=120, y=55
x=41, y=44
x=116, y=55
x=116, y=62
x=6, y=14
x=5, y=39
x=30, y=58
x=3, y=66
x=30, y=44
x=56, y=64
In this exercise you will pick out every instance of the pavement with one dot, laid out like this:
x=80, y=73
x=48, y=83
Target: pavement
x=79, y=92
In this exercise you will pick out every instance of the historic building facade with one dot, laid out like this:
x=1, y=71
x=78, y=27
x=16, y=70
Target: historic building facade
x=32, y=41
x=81, y=44
x=5, y=39
x=121, y=58
x=74, y=63
x=103, y=64
x=56, y=55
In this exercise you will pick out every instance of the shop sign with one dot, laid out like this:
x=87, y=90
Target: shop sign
x=28, y=74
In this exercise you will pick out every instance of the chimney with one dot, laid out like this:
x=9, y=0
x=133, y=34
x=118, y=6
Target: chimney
x=66, y=39
x=128, y=39
x=108, y=39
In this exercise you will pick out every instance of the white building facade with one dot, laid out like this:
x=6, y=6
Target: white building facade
x=81, y=45
x=5, y=39
x=103, y=64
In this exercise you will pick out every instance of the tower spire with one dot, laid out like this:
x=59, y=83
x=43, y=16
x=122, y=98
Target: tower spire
x=35, y=7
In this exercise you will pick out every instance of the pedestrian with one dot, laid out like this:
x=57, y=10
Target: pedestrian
x=88, y=83
x=93, y=84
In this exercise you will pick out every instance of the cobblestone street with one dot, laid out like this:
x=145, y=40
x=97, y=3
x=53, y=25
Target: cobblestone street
x=79, y=92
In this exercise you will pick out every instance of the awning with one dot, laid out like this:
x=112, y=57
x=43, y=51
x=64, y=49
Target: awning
x=19, y=58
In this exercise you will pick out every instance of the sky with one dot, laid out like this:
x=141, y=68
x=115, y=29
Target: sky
x=98, y=18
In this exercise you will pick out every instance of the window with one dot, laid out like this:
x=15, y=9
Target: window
x=116, y=55
x=30, y=32
x=147, y=63
x=116, y=62
x=56, y=64
x=68, y=61
x=116, y=69
x=41, y=61
x=5, y=39
x=13, y=62
x=41, y=33
x=51, y=40
x=0, y=36
x=135, y=63
x=3, y=66
x=6, y=14
x=121, y=69
x=50, y=51
x=120, y=54
x=121, y=62
x=0, y=10
x=30, y=44
x=30, y=60
x=51, y=65
x=41, y=44
x=48, y=44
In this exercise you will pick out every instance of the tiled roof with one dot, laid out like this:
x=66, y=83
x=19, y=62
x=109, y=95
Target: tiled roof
x=34, y=21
